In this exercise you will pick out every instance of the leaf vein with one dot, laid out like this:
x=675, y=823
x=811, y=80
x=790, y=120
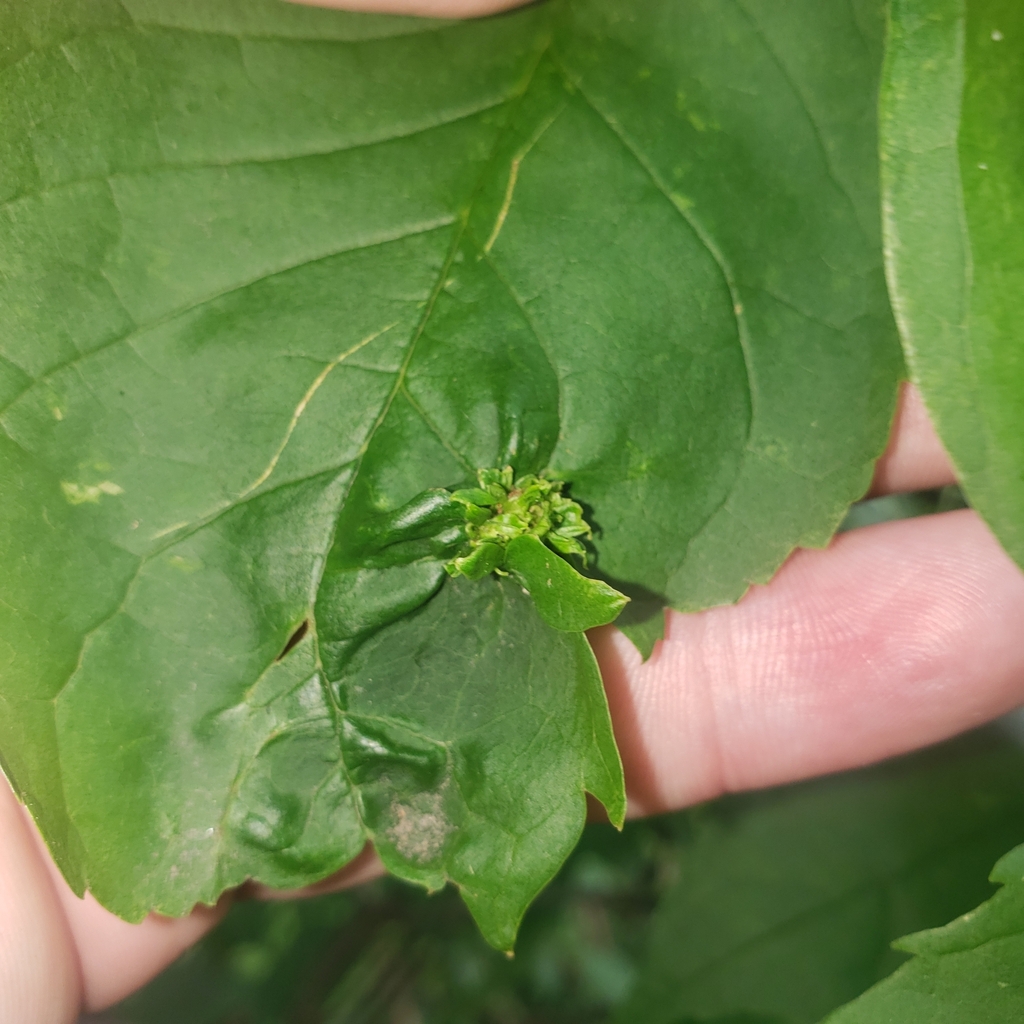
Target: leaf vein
x=513, y=176
x=725, y=269
x=882, y=882
x=252, y=161
x=306, y=399
x=698, y=230
x=524, y=312
x=436, y=431
x=798, y=93
x=422, y=229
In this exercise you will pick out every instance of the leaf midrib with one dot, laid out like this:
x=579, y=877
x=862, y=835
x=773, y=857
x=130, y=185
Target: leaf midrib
x=400, y=378
x=326, y=686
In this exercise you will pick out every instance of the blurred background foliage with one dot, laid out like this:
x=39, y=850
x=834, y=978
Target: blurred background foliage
x=764, y=908
x=388, y=952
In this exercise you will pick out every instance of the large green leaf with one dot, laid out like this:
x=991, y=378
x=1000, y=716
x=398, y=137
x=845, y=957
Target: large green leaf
x=953, y=181
x=786, y=903
x=268, y=274
x=968, y=972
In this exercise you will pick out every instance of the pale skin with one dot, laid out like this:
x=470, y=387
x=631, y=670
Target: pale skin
x=895, y=637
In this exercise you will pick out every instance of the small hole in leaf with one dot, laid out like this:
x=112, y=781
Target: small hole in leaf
x=295, y=638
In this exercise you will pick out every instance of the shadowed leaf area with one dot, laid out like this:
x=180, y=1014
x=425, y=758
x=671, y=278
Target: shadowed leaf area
x=967, y=972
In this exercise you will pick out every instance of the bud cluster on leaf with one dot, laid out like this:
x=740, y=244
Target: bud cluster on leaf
x=508, y=522
x=503, y=508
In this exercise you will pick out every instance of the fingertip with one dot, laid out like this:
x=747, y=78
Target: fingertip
x=915, y=458
x=364, y=868
x=39, y=974
x=117, y=958
x=447, y=9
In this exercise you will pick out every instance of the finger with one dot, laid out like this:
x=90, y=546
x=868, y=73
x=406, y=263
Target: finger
x=421, y=8
x=897, y=636
x=111, y=958
x=915, y=458
x=39, y=977
x=116, y=957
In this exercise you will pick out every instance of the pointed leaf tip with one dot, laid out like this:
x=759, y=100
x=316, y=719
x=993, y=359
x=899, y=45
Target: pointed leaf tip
x=564, y=598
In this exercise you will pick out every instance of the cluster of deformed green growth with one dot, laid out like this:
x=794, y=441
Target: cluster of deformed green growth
x=515, y=526
x=503, y=508
x=386, y=564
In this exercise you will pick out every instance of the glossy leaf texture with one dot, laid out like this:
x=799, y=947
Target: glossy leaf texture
x=967, y=972
x=268, y=275
x=563, y=598
x=786, y=903
x=953, y=182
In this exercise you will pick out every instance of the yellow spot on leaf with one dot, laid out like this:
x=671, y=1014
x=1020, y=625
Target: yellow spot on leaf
x=188, y=565
x=80, y=494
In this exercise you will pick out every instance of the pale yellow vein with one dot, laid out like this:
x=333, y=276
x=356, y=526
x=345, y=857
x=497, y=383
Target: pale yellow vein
x=513, y=177
x=304, y=402
x=293, y=423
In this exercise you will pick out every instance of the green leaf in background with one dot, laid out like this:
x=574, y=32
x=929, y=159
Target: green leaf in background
x=786, y=904
x=968, y=972
x=953, y=182
x=268, y=274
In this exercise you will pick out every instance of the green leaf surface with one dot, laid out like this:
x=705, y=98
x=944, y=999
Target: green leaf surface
x=564, y=599
x=786, y=903
x=953, y=181
x=272, y=279
x=967, y=972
